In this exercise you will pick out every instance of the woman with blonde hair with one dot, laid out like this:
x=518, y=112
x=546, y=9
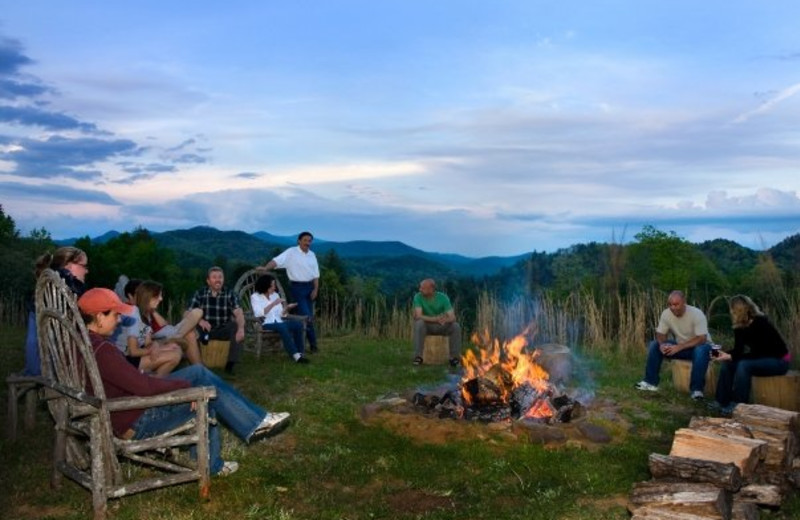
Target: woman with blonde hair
x=149, y=295
x=758, y=350
x=72, y=264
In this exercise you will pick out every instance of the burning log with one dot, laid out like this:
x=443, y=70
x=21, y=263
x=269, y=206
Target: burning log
x=679, y=500
x=486, y=390
x=723, y=475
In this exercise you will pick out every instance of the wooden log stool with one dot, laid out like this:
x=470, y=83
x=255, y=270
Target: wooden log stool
x=215, y=354
x=681, y=374
x=777, y=391
x=436, y=351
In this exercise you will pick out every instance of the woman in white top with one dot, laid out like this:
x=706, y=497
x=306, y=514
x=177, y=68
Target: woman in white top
x=270, y=308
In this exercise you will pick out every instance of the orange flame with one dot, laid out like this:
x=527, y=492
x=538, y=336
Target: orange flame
x=516, y=366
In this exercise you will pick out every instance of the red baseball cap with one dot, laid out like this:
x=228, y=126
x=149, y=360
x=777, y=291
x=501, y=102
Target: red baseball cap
x=102, y=300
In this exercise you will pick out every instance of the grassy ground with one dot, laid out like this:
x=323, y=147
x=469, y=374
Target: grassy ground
x=330, y=464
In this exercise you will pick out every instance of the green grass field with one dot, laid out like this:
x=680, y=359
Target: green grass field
x=330, y=464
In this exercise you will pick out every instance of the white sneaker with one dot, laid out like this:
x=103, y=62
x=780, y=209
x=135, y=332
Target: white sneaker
x=644, y=385
x=229, y=467
x=697, y=395
x=271, y=423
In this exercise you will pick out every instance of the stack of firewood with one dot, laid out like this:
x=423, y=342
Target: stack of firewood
x=723, y=468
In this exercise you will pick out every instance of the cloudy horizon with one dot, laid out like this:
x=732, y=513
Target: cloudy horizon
x=459, y=127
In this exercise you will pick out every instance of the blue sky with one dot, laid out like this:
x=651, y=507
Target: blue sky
x=472, y=127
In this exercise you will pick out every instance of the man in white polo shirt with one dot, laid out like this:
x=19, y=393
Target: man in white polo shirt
x=303, y=272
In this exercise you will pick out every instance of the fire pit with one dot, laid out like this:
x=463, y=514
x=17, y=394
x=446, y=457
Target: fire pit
x=506, y=391
x=503, y=382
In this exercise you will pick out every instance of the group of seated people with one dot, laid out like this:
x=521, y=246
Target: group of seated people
x=137, y=355
x=682, y=333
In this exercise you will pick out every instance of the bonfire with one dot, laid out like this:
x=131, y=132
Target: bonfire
x=502, y=381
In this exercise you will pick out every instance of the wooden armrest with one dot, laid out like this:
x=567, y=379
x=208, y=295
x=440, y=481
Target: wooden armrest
x=17, y=379
x=296, y=317
x=184, y=395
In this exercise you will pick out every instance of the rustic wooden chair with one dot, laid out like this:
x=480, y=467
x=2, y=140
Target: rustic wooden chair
x=244, y=288
x=86, y=449
x=21, y=386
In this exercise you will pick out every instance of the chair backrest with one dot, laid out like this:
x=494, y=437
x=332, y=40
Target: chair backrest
x=68, y=363
x=70, y=370
x=245, y=286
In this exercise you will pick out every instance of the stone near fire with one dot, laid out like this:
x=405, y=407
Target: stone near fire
x=539, y=433
x=594, y=433
x=557, y=360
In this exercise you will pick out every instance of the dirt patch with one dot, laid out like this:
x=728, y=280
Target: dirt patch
x=600, y=425
x=417, y=502
x=430, y=430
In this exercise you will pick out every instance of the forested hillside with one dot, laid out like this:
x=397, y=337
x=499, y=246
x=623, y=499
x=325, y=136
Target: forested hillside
x=391, y=270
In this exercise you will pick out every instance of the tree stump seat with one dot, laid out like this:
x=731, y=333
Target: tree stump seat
x=778, y=391
x=215, y=354
x=681, y=374
x=437, y=350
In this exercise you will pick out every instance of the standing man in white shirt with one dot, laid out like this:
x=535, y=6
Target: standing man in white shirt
x=303, y=272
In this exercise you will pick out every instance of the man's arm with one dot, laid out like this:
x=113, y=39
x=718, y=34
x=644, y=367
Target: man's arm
x=446, y=317
x=271, y=265
x=669, y=350
x=315, y=291
x=239, y=317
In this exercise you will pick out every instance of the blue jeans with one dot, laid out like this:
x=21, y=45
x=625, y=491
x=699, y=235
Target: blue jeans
x=291, y=332
x=237, y=412
x=33, y=365
x=735, y=380
x=700, y=356
x=301, y=294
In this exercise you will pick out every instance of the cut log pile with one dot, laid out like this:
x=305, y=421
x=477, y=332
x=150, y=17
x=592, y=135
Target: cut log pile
x=723, y=468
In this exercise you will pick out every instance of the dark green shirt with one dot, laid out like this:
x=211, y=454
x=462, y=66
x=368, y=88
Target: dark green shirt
x=439, y=304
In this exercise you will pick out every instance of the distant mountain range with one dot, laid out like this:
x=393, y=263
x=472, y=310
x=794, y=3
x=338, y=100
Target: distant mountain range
x=205, y=244
x=399, y=266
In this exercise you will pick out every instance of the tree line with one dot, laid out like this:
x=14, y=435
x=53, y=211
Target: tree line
x=353, y=294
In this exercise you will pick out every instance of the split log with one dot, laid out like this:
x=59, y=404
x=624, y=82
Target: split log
x=794, y=474
x=781, y=444
x=723, y=475
x=720, y=426
x=743, y=452
x=664, y=513
x=767, y=417
x=744, y=510
x=765, y=495
x=679, y=498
